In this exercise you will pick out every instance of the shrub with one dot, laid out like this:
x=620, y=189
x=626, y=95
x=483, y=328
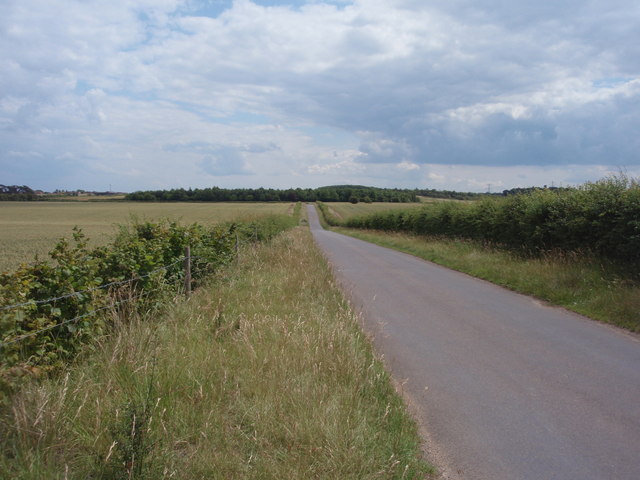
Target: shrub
x=52, y=308
x=601, y=218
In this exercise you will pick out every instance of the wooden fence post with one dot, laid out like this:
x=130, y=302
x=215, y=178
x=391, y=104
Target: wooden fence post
x=187, y=271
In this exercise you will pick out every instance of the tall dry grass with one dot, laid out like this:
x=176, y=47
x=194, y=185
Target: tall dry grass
x=262, y=374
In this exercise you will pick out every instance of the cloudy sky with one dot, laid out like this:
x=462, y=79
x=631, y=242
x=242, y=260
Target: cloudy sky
x=449, y=94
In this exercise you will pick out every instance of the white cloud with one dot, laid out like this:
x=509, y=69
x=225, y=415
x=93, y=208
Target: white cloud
x=405, y=87
x=347, y=166
x=407, y=166
x=224, y=162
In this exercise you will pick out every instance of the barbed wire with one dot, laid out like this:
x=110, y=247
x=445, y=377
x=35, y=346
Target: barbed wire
x=88, y=314
x=65, y=322
x=98, y=310
x=74, y=294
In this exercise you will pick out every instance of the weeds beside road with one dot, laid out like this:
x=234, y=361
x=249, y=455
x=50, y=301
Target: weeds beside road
x=263, y=373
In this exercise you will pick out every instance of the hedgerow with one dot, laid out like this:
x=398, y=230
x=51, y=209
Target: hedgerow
x=327, y=215
x=601, y=218
x=65, y=299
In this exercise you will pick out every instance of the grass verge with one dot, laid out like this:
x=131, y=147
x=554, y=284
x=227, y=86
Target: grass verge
x=263, y=374
x=579, y=283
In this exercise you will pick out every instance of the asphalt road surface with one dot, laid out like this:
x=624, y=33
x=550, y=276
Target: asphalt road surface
x=504, y=387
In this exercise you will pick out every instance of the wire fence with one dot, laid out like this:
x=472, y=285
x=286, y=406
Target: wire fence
x=66, y=322
x=187, y=260
x=111, y=306
x=89, y=290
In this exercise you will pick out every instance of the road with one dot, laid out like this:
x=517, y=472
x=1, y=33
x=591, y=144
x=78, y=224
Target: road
x=503, y=386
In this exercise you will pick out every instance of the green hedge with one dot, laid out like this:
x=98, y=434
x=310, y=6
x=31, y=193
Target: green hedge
x=601, y=218
x=149, y=253
x=327, y=215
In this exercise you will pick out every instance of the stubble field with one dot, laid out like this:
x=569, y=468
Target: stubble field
x=28, y=229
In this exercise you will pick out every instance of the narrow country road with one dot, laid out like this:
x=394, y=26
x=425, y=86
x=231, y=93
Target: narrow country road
x=505, y=388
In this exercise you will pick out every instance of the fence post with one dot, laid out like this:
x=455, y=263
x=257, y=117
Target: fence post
x=237, y=246
x=187, y=271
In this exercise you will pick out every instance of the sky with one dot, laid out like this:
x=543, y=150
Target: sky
x=466, y=95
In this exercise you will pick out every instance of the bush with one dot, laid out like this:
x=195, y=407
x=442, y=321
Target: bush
x=65, y=300
x=602, y=218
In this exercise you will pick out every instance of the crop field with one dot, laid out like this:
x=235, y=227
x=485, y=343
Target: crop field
x=28, y=229
x=346, y=210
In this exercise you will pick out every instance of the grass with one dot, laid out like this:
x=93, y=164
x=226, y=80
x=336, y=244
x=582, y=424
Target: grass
x=263, y=374
x=585, y=285
x=345, y=210
x=28, y=229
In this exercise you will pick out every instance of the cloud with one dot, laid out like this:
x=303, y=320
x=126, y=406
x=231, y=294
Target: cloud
x=407, y=166
x=383, y=150
x=225, y=161
x=403, y=89
x=347, y=166
x=208, y=147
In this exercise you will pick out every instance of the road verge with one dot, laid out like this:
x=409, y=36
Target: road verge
x=263, y=373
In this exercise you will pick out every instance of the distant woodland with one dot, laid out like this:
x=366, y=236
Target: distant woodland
x=17, y=193
x=340, y=193
x=336, y=193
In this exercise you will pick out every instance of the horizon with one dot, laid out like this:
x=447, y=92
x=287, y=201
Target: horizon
x=84, y=190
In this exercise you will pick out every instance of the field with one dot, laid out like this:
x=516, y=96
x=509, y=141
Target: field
x=32, y=228
x=345, y=210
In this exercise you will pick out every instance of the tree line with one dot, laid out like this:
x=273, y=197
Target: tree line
x=17, y=193
x=338, y=193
